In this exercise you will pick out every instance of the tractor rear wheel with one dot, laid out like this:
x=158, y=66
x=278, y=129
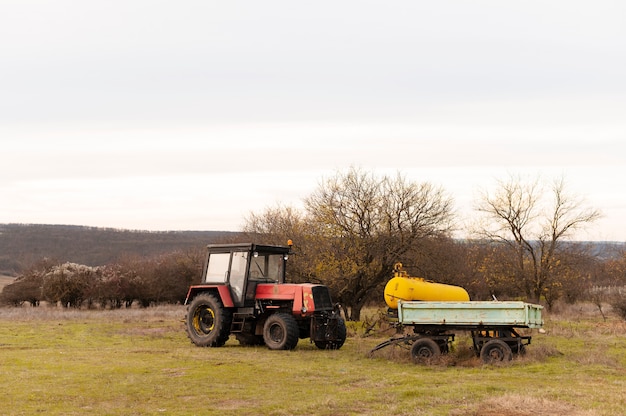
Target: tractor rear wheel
x=280, y=332
x=208, y=322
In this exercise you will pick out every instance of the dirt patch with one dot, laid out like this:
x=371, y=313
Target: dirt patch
x=518, y=405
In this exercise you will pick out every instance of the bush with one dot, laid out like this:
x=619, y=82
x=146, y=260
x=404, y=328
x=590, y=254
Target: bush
x=68, y=283
x=149, y=281
x=619, y=305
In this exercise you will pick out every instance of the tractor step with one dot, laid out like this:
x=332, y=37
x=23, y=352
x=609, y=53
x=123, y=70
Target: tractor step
x=239, y=319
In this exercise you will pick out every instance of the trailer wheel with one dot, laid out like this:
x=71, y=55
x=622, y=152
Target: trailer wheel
x=494, y=351
x=208, y=322
x=424, y=350
x=280, y=332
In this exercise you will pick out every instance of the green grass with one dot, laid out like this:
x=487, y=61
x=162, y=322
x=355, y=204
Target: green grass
x=140, y=362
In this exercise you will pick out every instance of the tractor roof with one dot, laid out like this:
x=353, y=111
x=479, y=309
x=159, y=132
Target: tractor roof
x=247, y=247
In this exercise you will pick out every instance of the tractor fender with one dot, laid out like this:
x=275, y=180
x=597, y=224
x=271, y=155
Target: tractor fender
x=221, y=290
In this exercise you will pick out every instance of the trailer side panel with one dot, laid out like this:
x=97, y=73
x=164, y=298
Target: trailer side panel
x=471, y=314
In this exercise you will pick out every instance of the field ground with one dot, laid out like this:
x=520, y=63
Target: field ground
x=140, y=362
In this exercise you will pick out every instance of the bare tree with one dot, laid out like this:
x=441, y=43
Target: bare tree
x=68, y=284
x=369, y=223
x=354, y=228
x=519, y=216
x=612, y=285
x=279, y=224
x=28, y=286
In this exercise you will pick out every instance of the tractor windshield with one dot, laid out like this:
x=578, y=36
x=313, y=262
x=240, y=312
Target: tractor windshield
x=267, y=267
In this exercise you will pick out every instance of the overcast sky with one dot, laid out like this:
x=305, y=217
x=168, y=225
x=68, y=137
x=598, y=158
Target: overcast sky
x=189, y=115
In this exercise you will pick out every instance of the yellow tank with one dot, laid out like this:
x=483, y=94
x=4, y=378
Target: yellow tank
x=403, y=287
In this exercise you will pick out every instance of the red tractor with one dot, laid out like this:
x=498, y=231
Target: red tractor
x=243, y=292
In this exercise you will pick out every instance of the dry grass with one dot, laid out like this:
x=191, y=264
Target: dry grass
x=53, y=313
x=521, y=405
x=139, y=361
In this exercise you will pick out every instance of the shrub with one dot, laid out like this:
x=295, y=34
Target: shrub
x=619, y=305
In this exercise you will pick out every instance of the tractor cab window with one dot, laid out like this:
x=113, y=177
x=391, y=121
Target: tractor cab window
x=217, y=269
x=238, y=274
x=267, y=267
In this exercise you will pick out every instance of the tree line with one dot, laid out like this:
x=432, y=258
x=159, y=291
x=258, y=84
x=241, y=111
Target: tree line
x=143, y=280
x=352, y=230
x=356, y=225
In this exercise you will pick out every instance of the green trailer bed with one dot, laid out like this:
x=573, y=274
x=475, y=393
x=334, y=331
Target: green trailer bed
x=470, y=314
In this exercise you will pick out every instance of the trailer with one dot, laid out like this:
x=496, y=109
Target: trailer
x=493, y=326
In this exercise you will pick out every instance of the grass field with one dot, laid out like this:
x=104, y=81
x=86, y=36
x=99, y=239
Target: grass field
x=140, y=362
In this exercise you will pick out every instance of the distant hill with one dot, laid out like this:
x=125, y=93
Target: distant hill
x=21, y=245
x=605, y=250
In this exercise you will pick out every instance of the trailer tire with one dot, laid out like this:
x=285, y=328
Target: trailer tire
x=494, y=351
x=425, y=350
x=208, y=322
x=280, y=332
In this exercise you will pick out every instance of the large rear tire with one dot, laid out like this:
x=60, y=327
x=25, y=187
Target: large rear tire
x=208, y=322
x=280, y=332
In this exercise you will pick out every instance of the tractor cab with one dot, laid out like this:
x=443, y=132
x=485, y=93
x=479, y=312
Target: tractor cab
x=242, y=267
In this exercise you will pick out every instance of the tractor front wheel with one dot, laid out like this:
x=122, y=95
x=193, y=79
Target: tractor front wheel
x=208, y=322
x=280, y=332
